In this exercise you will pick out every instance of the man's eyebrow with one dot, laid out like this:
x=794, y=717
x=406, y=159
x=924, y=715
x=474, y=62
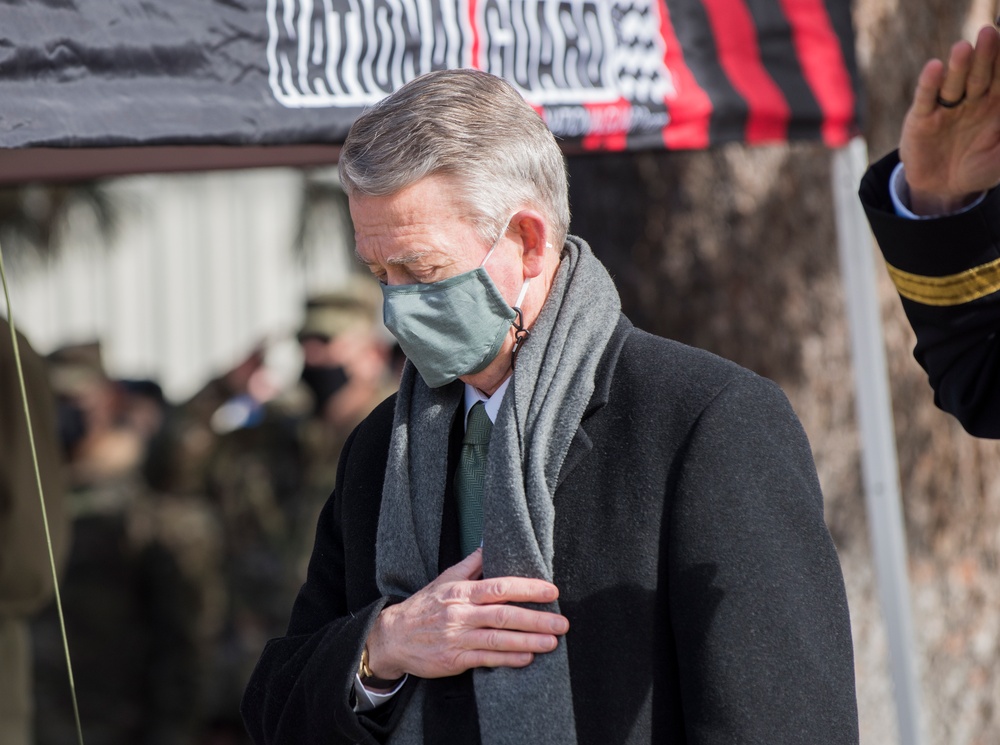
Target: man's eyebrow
x=402, y=260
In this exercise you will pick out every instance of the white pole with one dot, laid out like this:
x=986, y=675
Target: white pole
x=878, y=444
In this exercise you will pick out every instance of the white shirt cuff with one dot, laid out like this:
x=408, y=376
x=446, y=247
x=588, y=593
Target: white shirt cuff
x=899, y=192
x=365, y=700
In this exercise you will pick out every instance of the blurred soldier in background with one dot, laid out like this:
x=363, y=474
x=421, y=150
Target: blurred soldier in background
x=233, y=448
x=129, y=609
x=194, y=525
x=25, y=573
x=269, y=465
x=347, y=368
x=237, y=398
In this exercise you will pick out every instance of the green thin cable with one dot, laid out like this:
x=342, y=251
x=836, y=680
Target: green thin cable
x=41, y=497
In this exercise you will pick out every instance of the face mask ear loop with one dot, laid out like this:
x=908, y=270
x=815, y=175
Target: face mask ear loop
x=521, y=334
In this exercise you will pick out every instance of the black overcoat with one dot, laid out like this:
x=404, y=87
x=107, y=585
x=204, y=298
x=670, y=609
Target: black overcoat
x=704, y=594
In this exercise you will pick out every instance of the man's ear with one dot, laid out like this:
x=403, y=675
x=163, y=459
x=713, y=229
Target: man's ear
x=532, y=230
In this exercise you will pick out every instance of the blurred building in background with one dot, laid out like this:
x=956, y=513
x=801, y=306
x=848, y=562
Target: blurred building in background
x=196, y=270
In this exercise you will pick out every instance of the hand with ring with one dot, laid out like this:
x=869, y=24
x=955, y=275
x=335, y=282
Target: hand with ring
x=950, y=145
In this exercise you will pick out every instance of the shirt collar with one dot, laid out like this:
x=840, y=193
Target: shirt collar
x=492, y=403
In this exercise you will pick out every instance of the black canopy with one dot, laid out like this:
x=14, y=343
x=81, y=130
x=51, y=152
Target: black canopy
x=277, y=78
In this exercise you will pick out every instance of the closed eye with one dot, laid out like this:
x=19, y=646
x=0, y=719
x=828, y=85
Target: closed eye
x=409, y=261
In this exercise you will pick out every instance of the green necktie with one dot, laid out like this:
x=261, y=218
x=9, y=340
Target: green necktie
x=470, y=478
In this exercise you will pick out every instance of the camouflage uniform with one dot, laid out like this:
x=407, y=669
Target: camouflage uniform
x=269, y=477
x=241, y=458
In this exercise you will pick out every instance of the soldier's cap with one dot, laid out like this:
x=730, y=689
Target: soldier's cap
x=76, y=367
x=352, y=307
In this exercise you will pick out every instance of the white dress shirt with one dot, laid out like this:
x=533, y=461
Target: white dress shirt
x=899, y=192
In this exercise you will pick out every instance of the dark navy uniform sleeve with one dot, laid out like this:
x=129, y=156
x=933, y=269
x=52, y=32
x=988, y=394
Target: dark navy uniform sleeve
x=947, y=273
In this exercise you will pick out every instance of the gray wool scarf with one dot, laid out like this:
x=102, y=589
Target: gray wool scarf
x=540, y=414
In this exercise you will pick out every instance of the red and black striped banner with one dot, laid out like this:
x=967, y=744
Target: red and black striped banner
x=762, y=71
x=606, y=75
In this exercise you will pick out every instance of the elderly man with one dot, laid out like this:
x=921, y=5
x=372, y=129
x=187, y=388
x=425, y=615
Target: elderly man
x=562, y=529
x=936, y=214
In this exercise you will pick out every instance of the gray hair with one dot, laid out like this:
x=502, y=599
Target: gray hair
x=469, y=126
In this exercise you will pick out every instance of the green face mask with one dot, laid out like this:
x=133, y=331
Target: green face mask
x=454, y=327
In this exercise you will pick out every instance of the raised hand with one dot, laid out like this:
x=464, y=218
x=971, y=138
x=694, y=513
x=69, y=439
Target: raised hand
x=458, y=622
x=950, y=145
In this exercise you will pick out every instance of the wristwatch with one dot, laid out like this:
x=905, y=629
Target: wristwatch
x=368, y=678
